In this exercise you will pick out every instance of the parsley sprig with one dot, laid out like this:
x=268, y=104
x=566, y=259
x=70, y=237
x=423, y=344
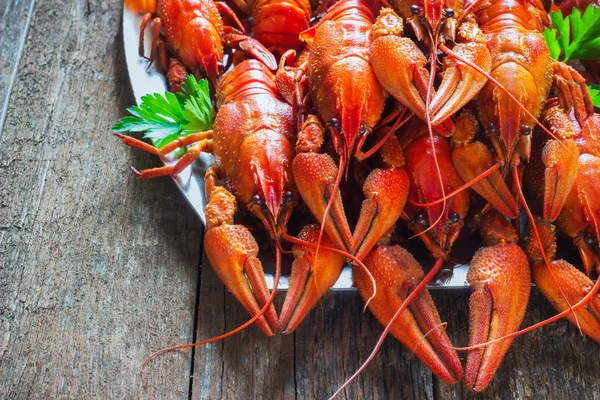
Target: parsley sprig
x=166, y=117
x=595, y=94
x=576, y=37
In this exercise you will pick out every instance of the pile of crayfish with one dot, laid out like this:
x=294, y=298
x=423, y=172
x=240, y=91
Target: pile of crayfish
x=452, y=118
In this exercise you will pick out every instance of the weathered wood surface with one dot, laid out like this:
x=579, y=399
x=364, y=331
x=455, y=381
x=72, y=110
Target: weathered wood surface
x=14, y=21
x=98, y=269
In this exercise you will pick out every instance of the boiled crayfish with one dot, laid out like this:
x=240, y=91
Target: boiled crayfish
x=433, y=105
x=194, y=32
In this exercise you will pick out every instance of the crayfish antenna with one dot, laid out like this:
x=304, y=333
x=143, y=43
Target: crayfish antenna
x=231, y=332
x=433, y=60
x=418, y=289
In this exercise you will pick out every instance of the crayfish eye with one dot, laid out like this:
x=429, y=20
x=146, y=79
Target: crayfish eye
x=448, y=13
x=492, y=127
x=422, y=220
x=454, y=217
x=589, y=239
x=334, y=123
x=362, y=131
x=415, y=9
x=257, y=199
x=288, y=197
x=525, y=130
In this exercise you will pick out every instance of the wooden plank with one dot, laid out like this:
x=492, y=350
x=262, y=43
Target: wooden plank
x=97, y=268
x=14, y=22
x=334, y=341
x=247, y=365
x=554, y=362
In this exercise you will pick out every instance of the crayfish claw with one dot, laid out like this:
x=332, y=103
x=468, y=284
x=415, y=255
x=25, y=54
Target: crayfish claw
x=399, y=65
x=575, y=285
x=386, y=191
x=500, y=279
x=315, y=176
x=461, y=82
x=235, y=38
x=309, y=281
x=419, y=327
x=232, y=252
x=563, y=284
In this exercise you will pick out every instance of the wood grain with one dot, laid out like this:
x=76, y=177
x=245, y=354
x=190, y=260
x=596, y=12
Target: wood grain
x=14, y=22
x=97, y=268
x=333, y=342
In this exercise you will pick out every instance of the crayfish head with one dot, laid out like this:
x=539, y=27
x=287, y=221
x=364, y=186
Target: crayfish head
x=268, y=191
x=438, y=230
x=358, y=105
x=437, y=222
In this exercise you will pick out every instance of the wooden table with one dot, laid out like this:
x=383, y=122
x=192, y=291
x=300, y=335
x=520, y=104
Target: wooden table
x=99, y=269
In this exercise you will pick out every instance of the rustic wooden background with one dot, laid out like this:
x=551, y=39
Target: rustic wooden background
x=99, y=269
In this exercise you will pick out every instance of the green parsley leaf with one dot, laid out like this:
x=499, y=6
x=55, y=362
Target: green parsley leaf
x=576, y=37
x=165, y=117
x=586, y=34
x=196, y=113
x=156, y=113
x=198, y=107
x=595, y=93
x=553, y=45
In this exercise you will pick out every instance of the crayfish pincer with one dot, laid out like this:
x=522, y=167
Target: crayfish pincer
x=575, y=284
x=400, y=65
x=501, y=282
x=419, y=326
